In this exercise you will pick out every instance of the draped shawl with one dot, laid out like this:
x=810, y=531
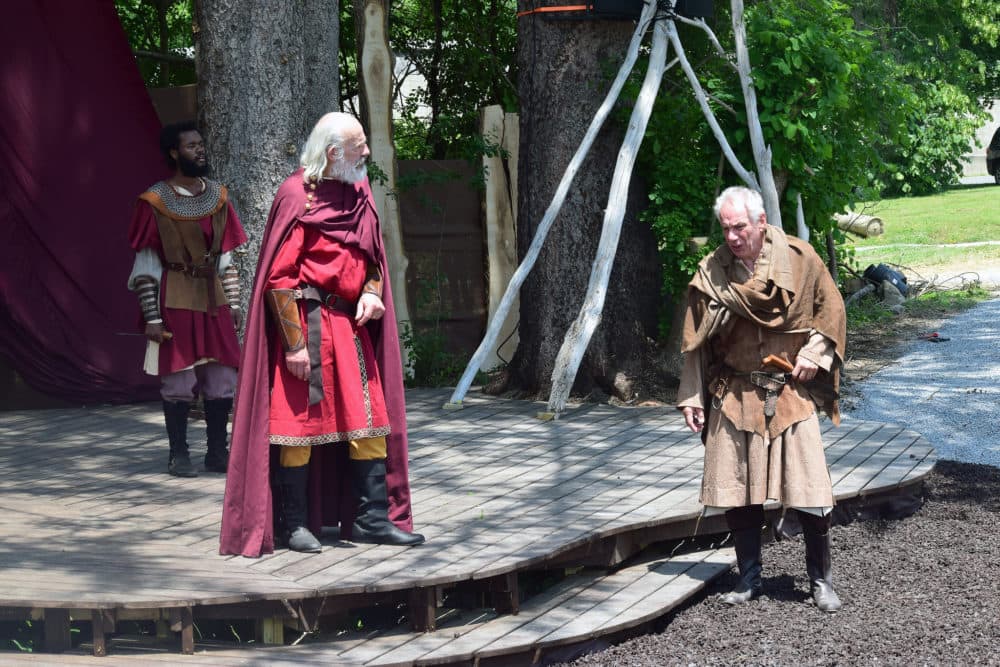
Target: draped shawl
x=790, y=291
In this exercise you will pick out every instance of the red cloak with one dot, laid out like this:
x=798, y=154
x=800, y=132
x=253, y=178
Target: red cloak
x=247, y=512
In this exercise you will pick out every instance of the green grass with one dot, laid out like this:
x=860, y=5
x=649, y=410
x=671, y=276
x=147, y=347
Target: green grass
x=936, y=304
x=929, y=256
x=869, y=312
x=961, y=215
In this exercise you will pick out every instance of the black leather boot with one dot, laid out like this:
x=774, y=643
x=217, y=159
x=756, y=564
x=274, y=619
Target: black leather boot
x=816, y=532
x=372, y=524
x=745, y=524
x=175, y=415
x=295, y=508
x=216, y=422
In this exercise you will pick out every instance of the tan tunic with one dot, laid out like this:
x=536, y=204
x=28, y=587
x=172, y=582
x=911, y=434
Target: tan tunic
x=749, y=458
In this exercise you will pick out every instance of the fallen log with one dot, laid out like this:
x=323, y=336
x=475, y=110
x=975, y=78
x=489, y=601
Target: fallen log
x=860, y=224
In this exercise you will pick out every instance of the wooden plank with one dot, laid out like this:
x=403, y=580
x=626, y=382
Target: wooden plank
x=864, y=471
x=57, y=635
x=422, y=606
x=538, y=490
x=187, y=631
x=895, y=472
x=98, y=634
x=645, y=591
x=467, y=646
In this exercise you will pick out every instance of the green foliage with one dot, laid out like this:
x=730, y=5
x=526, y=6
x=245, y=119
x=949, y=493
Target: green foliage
x=843, y=119
x=820, y=87
x=680, y=188
x=163, y=27
x=433, y=362
x=866, y=311
x=826, y=95
x=465, y=54
x=949, y=65
x=22, y=636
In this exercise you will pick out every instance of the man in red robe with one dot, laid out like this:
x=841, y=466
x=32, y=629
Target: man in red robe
x=321, y=365
x=183, y=232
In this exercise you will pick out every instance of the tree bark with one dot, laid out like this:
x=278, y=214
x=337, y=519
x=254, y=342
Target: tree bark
x=580, y=331
x=266, y=73
x=562, y=81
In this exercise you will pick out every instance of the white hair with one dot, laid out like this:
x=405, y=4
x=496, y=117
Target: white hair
x=738, y=195
x=329, y=131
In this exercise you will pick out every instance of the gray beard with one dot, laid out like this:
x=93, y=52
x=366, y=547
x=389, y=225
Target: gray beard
x=347, y=173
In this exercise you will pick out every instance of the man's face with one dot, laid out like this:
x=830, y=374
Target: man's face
x=190, y=154
x=350, y=167
x=744, y=237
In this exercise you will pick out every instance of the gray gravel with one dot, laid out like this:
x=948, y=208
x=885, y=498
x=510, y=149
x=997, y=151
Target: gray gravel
x=949, y=392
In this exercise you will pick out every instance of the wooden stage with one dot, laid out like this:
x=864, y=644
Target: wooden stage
x=93, y=529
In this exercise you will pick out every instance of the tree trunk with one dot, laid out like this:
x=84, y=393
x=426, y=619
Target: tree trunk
x=266, y=73
x=562, y=80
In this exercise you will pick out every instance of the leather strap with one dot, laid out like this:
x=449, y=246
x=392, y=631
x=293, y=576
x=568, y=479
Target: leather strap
x=285, y=310
x=316, y=298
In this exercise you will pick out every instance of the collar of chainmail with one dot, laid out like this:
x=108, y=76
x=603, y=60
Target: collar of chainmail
x=184, y=207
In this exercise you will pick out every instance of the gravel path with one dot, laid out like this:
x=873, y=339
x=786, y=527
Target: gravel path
x=923, y=590
x=949, y=392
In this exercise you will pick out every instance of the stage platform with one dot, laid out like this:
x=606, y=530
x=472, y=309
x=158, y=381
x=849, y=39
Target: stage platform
x=93, y=529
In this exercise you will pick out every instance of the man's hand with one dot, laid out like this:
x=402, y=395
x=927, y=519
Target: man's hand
x=804, y=370
x=694, y=418
x=298, y=363
x=237, y=317
x=370, y=307
x=156, y=332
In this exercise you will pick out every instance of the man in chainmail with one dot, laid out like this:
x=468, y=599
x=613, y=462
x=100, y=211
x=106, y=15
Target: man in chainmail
x=763, y=343
x=183, y=232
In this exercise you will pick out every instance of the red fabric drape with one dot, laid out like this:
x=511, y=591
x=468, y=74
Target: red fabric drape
x=78, y=143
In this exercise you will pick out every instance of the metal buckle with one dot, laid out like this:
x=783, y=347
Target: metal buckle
x=765, y=380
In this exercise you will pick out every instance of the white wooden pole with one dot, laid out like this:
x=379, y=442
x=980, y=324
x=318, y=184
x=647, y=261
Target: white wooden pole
x=493, y=330
x=761, y=151
x=699, y=94
x=580, y=332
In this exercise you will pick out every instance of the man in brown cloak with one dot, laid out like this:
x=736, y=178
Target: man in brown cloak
x=764, y=337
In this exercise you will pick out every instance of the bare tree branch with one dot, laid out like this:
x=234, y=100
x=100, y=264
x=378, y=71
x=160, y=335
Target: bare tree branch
x=699, y=93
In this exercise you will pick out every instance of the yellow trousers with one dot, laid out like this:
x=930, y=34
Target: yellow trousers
x=362, y=449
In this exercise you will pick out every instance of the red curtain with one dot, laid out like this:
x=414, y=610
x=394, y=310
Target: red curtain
x=78, y=143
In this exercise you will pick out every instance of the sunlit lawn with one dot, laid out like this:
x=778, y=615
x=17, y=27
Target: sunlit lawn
x=961, y=215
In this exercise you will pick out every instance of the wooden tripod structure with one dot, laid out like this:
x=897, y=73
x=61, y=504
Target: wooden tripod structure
x=659, y=15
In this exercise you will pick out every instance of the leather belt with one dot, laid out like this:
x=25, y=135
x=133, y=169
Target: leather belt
x=193, y=270
x=316, y=298
x=204, y=271
x=771, y=382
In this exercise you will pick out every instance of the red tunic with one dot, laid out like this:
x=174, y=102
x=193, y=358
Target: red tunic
x=196, y=335
x=345, y=213
x=353, y=405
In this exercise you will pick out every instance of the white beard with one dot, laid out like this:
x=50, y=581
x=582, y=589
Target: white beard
x=348, y=173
